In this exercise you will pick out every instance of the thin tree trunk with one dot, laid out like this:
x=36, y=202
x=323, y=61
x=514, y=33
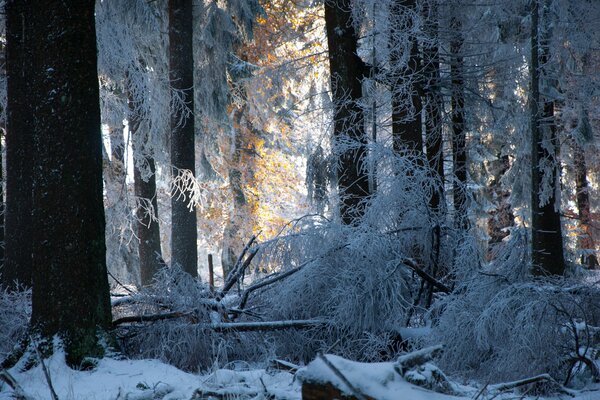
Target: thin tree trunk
x=546, y=238
x=70, y=285
x=459, y=144
x=346, y=71
x=406, y=85
x=144, y=183
x=18, y=226
x=434, y=104
x=184, y=247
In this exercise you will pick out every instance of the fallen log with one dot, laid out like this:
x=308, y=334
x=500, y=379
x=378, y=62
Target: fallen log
x=542, y=378
x=224, y=326
x=416, y=358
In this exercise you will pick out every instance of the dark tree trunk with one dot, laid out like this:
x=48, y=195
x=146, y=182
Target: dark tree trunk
x=18, y=226
x=144, y=184
x=546, y=237
x=70, y=285
x=459, y=143
x=406, y=80
x=586, y=240
x=434, y=104
x=346, y=70
x=184, y=233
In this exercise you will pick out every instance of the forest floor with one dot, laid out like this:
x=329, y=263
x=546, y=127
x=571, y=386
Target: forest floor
x=152, y=379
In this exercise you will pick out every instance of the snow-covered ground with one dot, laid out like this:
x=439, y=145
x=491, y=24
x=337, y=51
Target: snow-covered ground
x=152, y=379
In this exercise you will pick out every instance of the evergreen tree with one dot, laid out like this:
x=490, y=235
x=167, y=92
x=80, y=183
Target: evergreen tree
x=70, y=285
x=546, y=238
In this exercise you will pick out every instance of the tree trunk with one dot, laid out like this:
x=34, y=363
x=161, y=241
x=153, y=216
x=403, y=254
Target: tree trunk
x=121, y=262
x=406, y=85
x=18, y=226
x=233, y=235
x=184, y=248
x=346, y=71
x=434, y=104
x=586, y=240
x=144, y=183
x=459, y=144
x=70, y=286
x=546, y=236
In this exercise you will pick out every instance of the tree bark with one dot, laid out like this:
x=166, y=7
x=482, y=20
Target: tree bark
x=184, y=233
x=147, y=226
x=459, y=144
x=70, y=285
x=406, y=85
x=434, y=104
x=349, y=136
x=18, y=226
x=546, y=237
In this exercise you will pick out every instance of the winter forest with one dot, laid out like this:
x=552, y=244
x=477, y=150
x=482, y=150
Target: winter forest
x=300, y=199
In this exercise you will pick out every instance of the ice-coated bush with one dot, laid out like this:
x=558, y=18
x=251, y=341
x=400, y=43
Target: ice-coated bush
x=15, y=311
x=503, y=324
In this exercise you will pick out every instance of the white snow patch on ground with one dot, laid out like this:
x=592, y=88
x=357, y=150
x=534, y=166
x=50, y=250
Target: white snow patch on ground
x=152, y=379
x=143, y=379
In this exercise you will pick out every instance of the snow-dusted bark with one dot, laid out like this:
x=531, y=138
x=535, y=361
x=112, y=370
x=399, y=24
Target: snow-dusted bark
x=546, y=237
x=70, y=284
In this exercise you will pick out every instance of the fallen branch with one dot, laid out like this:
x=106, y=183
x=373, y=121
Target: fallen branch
x=238, y=268
x=153, y=317
x=267, y=282
x=18, y=392
x=282, y=365
x=502, y=387
x=45, y=369
x=425, y=276
x=416, y=358
x=223, y=326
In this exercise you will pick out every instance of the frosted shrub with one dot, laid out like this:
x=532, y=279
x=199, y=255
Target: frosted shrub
x=504, y=324
x=353, y=277
x=15, y=311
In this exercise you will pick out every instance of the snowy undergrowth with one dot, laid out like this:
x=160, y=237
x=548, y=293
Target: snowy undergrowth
x=15, y=310
x=503, y=324
x=355, y=277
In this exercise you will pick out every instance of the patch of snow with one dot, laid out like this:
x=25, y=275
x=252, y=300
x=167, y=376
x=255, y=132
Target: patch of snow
x=377, y=380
